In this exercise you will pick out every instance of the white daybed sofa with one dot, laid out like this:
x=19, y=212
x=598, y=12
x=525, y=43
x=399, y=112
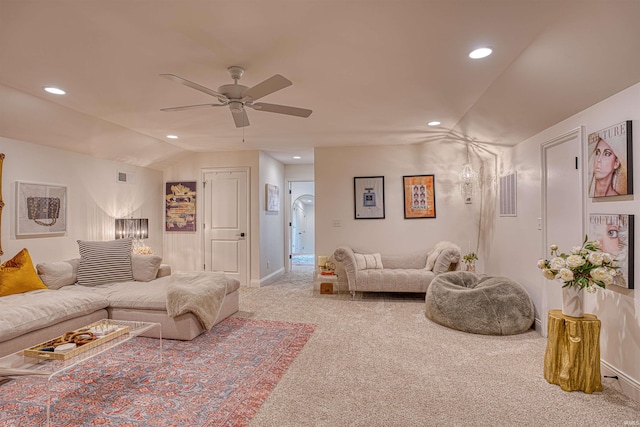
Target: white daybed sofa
x=397, y=273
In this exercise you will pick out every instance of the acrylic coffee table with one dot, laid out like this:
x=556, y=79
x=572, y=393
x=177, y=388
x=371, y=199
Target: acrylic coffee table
x=18, y=364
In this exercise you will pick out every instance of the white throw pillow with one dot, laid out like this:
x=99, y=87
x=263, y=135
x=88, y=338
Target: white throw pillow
x=434, y=253
x=59, y=273
x=368, y=261
x=145, y=267
x=104, y=262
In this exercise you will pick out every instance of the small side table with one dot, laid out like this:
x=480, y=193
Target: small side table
x=572, y=357
x=328, y=283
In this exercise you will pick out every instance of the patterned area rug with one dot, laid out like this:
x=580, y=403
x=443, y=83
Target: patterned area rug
x=219, y=379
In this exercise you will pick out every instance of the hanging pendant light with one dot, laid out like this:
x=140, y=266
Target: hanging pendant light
x=468, y=179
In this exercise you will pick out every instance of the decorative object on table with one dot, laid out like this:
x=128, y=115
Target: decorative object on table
x=586, y=267
x=615, y=234
x=419, y=196
x=1, y=201
x=368, y=194
x=611, y=161
x=273, y=198
x=470, y=261
x=180, y=210
x=41, y=210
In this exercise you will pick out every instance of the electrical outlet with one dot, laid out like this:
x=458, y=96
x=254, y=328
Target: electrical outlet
x=268, y=264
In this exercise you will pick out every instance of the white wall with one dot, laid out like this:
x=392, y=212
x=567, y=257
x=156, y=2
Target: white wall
x=517, y=244
x=455, y=221
x=272, y=238
x=94, y=198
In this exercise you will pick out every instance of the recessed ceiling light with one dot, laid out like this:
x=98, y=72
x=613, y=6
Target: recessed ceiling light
x=433, y=123
x=172, y=136
x=297, y=157
x=482, y=52
x=54, y=90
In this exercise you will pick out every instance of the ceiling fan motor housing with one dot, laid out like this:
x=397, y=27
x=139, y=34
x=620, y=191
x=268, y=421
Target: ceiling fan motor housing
x=236, y=107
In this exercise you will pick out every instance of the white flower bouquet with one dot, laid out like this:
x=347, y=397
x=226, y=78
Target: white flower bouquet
x=584, y=267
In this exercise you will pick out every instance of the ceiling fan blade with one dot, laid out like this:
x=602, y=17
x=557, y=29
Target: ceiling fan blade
x=272, y=84
x=241, y=118
x=281, y=109
x=191, y=107
x=193, y=85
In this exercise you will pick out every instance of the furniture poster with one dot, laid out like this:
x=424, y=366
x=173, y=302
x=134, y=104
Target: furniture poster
x=615, y=234
x=611, y=161
x=273, y=198
x=180, y=206
x=368, y=197
x=41, y=210
x=419, y=196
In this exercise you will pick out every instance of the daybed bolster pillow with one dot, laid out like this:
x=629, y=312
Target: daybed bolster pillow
x=448, y=260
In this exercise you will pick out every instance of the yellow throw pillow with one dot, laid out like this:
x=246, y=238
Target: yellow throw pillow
x=18, y=275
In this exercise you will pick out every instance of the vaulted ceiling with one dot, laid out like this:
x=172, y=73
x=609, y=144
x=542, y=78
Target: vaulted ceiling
x=373, y=72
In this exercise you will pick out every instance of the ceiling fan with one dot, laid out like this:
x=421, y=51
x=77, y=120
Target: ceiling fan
x=237, y=96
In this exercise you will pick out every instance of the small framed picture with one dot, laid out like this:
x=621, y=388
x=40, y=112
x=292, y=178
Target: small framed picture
x=615, y=233
x=368, y=193
x=273, y=198
x=419, y=196
x=611, y=161
x=180, y=206
x=41, y=210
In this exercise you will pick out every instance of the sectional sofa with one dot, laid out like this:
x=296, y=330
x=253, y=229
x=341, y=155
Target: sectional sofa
x=69, y=297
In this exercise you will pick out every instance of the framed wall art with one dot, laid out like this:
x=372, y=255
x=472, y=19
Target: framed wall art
x=273, y=198
x=615, y=233
x=368, y=193
x=41, y=210
x=419, y=196
x=611, y=161
x=180, y=211
x=1, y=201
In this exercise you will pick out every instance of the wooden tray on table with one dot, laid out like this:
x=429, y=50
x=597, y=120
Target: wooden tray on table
x=36, y=351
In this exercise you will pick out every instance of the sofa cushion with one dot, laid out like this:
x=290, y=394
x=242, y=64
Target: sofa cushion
x=104, y=262
x=145, y=267
x=59, y=273
x=17, y=275
x=30, y=311
x=366, y=261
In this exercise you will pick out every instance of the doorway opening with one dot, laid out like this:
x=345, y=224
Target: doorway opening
x=302, y=224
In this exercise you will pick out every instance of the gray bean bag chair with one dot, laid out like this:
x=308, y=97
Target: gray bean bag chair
x=485, y=305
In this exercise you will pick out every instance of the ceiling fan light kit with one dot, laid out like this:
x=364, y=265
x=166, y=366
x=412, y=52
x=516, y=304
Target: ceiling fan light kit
x=237, y=96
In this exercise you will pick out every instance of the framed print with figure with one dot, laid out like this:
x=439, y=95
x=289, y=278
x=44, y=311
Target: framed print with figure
x=41, y=210
x=273, y=198
x=615, y=234
x=419, y=196
x=611, y=161
x=368, y=194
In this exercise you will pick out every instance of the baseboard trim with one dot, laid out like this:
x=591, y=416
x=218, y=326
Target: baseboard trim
x=627, y=385
x=538, y=326
x=256, y=283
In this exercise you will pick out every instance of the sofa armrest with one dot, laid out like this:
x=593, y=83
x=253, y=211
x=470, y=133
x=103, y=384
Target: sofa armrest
x=164, y=270
x=344, y=254
x=448, y=260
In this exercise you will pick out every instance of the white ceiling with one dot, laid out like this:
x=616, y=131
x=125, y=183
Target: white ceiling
x=373, y=72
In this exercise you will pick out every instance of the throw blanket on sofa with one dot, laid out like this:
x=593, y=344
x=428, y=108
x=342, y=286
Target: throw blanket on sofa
x=200, y=293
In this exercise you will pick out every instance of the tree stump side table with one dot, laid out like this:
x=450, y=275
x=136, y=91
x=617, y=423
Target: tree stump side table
x=572, y=357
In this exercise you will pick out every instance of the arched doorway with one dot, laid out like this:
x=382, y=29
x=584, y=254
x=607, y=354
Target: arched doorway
x=303, y=230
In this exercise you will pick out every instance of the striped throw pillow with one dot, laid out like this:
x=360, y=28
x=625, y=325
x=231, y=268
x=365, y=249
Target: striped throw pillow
x=104, y=262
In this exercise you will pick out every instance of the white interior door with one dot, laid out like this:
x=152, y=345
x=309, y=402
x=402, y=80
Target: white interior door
x=563, y=206
x=226, y=227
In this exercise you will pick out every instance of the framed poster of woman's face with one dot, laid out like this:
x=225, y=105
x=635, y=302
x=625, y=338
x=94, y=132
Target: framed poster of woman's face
x=615, y=233
x=611, y=161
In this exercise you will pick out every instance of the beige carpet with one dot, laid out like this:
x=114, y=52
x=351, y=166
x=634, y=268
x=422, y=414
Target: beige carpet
x=378, y=361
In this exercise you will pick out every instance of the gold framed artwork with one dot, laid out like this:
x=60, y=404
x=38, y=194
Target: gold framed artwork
x=180, y=208
x=41, y=210
x=419, y=196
